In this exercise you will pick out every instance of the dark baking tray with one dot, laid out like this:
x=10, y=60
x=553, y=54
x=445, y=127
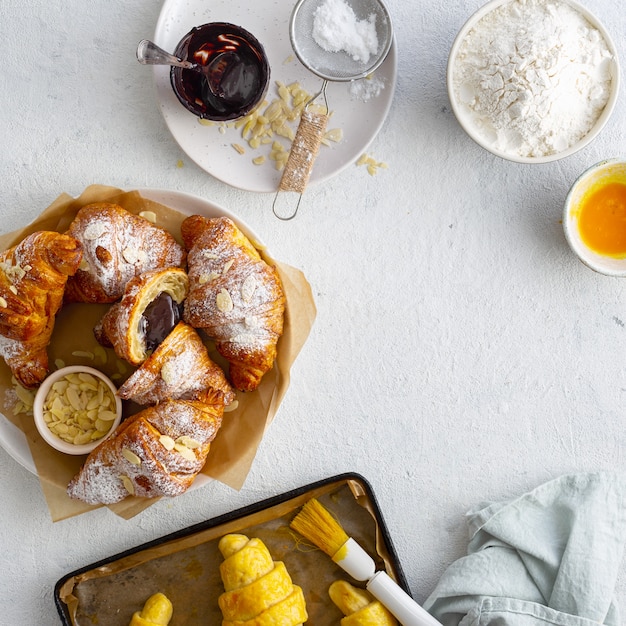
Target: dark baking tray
x=185, y=564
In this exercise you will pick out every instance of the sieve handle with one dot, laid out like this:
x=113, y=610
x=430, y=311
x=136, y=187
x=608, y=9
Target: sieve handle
x=304, y=149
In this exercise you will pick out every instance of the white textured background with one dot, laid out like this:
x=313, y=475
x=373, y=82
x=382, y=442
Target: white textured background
x=461, y=353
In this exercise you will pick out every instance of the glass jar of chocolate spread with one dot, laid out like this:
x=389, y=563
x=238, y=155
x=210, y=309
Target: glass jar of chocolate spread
x=231, y=73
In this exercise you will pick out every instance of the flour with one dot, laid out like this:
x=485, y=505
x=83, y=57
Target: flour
x=336, y=28
x=534, y=77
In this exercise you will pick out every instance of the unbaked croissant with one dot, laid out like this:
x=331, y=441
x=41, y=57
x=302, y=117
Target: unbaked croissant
x=179, y=368
x=359, y=606
x=147, y=312
x=258, y=590
x=235, y=296
x=33, y=276
x=157, y=611
x=118, y=245
x=156, y=452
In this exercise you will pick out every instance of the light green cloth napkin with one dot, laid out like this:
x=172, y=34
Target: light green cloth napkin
x=550, y=557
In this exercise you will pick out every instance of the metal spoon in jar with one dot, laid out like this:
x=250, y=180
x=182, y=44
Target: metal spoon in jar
x=148, y=53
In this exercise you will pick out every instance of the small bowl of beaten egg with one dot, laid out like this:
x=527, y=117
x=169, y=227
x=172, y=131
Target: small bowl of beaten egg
x=594, y=217
x=76, y=408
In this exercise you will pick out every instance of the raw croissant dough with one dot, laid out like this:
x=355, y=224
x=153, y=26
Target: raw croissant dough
x=258, y=590
x=235, y=296
x=178, y=368
x=117, y=246
x=123, y=328
x=157, y=611
x=156, y=452
x=33, y=276
x=359, y=606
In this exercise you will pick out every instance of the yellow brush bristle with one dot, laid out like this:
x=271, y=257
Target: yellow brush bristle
x=316, y=524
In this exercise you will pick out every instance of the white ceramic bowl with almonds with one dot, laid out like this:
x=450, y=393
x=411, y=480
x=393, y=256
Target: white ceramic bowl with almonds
x=76, y=407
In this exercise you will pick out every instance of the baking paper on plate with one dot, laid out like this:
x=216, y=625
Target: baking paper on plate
x=73, y=342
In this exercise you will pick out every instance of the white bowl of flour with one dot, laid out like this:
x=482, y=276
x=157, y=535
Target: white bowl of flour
x=533, y=81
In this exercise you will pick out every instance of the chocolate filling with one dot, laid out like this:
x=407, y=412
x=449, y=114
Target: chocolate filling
x=158, y=320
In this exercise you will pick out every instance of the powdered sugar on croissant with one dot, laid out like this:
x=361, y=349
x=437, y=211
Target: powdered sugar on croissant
x=33, y=276
x=235, y=296
x=180, y=367
x=157, y=452
x=117, y=245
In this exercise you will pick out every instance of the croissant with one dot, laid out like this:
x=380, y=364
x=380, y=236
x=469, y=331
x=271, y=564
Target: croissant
x=179, y=368
x=258, y=590
x=359, y=606
x=157, y=611
x=235, y=296
x=156, y=452
x=33, y=276
x=117, y=245
x=147, y=312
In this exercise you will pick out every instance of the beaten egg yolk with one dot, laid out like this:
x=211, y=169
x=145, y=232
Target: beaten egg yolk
x=602, y=219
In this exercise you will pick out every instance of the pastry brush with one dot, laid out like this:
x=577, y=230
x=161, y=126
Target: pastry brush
x=317, y=525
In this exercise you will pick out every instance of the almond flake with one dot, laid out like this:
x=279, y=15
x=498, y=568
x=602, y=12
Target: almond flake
x=207, y=278
x=167, y=442
x=94, y=231
x=84, y=354
x=149, y=215
x=169, y=372
x=131, y=457
x=190, y=442
x=224, y=302
x=128, y=484
x=132, y=256
x=185, y=452
x=248, y=288
x=227, y=265
x=232, y=406
x=3, y=303
x=13, y=289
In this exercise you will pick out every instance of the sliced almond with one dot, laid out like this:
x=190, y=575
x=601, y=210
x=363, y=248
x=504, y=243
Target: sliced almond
x=248, y=288
x=184, y=451
x=133, y=256
x=190, y=442
x=149, y=215
x=128, y=484
x=224, y=302
x=169, y=372
x=94, y=231
x=131, y=457
x=167, y=442
x=207, y=278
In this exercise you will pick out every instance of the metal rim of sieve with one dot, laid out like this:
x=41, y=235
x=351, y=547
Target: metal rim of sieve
x=338, y=66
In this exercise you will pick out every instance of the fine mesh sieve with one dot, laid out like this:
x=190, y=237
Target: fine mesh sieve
x=330, y=66
x=338, y=66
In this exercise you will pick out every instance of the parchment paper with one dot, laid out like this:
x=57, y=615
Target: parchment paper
x=186, y=568
x=235, y=446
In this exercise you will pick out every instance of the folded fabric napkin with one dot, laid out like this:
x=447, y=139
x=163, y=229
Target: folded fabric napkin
x=550, y=556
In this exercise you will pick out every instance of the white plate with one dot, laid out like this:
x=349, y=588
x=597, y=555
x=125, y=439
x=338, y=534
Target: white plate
x=12, y=439
x=268, y=21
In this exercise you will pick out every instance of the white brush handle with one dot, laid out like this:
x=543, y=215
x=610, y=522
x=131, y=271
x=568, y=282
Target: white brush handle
x=404, y=608
x=354, y=560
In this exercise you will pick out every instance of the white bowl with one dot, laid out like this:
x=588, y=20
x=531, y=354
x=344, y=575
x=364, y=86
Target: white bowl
x=38, y=410
x=464, y=115
x=607, y=171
